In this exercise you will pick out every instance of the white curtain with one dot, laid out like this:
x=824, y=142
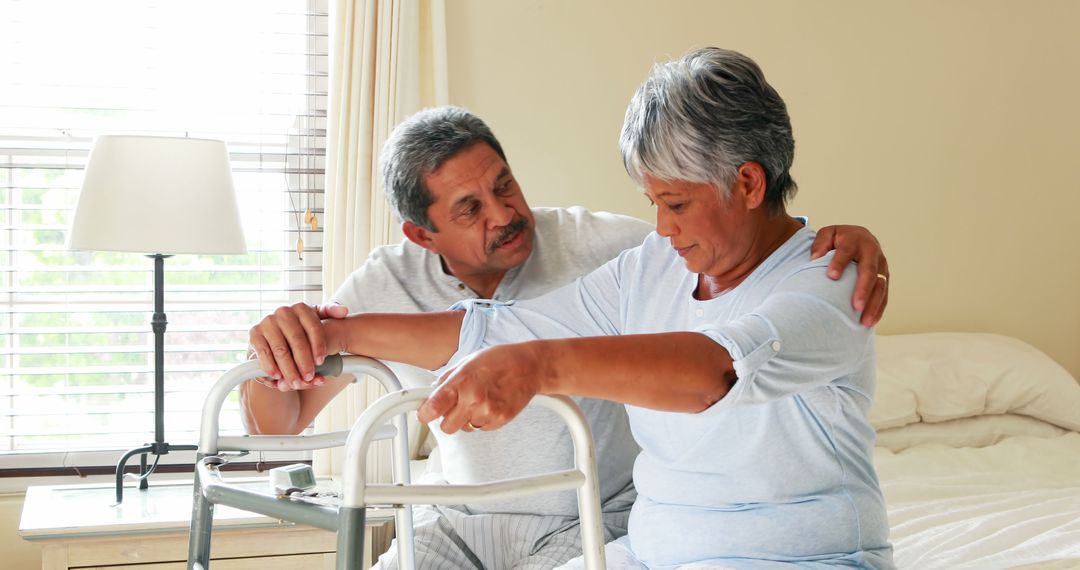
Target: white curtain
x=387, y=61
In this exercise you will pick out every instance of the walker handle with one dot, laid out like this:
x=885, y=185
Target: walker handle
x=330, y=367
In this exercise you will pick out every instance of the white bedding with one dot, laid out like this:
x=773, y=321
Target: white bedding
x=1013, y=503
x=979, y=454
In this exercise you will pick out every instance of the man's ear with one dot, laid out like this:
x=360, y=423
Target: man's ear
x=417, y=235
x=752, y=183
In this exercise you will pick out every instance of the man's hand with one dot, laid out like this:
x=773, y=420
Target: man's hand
x=856, y=243
x=486, y=390
x=291, y=342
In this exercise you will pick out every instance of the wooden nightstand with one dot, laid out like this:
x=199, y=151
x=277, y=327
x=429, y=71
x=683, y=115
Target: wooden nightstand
x=78, y=527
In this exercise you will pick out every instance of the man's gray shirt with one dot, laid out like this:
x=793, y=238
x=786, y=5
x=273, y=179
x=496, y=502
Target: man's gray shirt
x=569, y=243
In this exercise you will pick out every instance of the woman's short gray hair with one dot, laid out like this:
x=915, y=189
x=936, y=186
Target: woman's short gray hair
x=701, y=117
x=418, y=147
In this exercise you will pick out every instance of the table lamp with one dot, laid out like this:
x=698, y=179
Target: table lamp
x=159, y=196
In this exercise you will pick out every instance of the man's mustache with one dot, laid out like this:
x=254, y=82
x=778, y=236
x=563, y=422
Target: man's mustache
x=508, y=233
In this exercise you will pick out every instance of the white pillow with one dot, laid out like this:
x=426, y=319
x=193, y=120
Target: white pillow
x=937, y=377
x=979, y=431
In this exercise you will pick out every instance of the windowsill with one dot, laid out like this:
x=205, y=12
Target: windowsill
x=61, y=468
x=18, y=485
x=59, y=511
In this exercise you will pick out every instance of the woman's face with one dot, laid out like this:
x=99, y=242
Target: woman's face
x=713, y=235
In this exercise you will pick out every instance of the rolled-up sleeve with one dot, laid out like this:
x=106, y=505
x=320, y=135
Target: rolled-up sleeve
x=803, y=335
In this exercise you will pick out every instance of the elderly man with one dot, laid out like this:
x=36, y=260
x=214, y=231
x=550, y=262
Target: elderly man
x=470, y=234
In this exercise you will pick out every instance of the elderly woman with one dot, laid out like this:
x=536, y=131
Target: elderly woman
x=747, y=377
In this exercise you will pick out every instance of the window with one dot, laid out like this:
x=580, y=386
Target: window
x=76, y=350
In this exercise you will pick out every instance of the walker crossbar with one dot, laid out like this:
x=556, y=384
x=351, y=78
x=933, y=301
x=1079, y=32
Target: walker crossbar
x=476, y=493
x=219, y=492
x=295, y=442
x=348, y=519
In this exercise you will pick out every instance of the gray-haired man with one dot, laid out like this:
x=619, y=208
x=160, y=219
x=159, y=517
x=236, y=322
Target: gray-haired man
x=471, y=234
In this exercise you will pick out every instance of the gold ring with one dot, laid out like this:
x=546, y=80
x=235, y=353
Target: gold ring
x=883, y=276
x=471, y=426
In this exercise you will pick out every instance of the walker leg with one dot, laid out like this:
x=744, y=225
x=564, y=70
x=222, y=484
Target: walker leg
x=591, y=524
x=202, y=519
x=350, y=538
x=403, y=523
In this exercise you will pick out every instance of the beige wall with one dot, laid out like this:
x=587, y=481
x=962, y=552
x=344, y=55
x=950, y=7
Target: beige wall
x=950, y=129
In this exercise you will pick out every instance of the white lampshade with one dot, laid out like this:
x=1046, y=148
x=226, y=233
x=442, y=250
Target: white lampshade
x=164, y=195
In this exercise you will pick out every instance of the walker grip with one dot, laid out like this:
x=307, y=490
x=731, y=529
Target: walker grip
x=330, y=367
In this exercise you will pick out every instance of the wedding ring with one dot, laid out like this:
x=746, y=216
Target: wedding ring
x=883, y=277
x=472, y=427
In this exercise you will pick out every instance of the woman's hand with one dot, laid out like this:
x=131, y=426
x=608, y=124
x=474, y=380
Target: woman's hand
x=486, y=390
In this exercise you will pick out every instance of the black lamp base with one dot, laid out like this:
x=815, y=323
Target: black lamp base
x=158, y=449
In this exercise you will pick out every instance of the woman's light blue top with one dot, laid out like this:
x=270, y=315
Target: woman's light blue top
x=779, y=470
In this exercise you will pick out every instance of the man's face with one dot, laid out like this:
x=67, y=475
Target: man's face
x=483, y=225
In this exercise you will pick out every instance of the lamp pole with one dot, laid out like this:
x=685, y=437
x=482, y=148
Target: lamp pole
x=159, y=447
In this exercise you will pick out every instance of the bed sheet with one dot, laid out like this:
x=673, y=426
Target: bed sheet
x=1014, y=504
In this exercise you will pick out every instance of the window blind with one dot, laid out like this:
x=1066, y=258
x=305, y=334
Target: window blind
x=76, y=349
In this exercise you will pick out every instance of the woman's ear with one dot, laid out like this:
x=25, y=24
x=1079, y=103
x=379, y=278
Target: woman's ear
x=752, y=183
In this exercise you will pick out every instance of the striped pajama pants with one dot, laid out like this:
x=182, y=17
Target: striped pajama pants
x=450, y=538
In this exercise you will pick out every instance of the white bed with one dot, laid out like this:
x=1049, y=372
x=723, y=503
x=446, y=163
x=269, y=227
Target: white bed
x=978, y=453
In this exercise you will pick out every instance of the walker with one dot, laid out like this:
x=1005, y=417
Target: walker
x=347, y=518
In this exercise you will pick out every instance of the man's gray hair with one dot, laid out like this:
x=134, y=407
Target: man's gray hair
x=418, y=147
x=701, y=117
